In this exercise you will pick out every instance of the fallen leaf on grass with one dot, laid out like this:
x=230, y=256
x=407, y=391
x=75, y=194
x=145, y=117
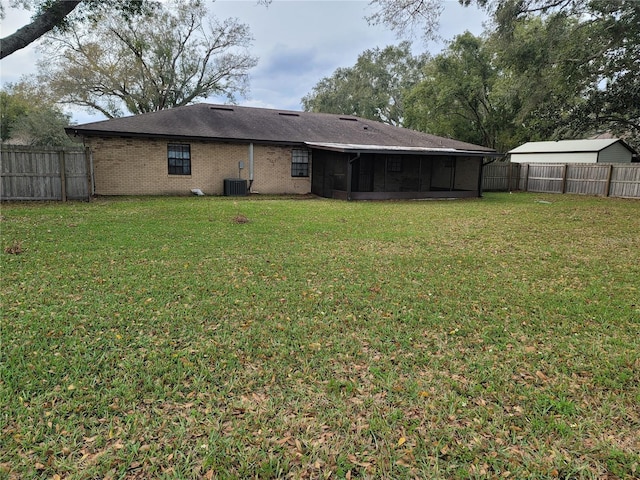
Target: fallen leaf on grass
x=14, y=249
x=353, y=459
x=541, y=376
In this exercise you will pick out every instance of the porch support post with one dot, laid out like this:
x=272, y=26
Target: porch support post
x=350, y=174
x=452, y=180
x=481, y=175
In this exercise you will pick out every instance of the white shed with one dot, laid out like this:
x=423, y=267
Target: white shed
x=611, y=150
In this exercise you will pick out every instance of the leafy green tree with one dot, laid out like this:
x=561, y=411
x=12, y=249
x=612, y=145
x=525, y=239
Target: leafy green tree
x=373, y=88
x=140, y=65
x=28, y=117
x=460, y=96
x=538, y=77
x=574, y=61
x=611, y=61
x=11, y=109
x=43, y=127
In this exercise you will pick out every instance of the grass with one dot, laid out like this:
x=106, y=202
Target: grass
x=269, y=338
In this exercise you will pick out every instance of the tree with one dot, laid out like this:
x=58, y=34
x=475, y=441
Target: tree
x=611, y=60
x=142, y=65
x=460, y=98
x=538, y=76
x=28, y=117
x=592, y=68
x=483, y=91
x=53, y=14
x=579, y=72
x=407, y=16
x=373, y=88
x=60, y=14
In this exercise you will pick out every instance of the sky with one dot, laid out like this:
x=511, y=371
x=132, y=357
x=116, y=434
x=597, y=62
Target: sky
x=298, y=42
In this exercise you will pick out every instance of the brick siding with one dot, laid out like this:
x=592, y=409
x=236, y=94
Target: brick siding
x=132, y=166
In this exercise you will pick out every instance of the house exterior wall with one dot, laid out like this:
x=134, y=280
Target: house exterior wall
x=616, y=153
x=134, y=166
x=561, y=157
x=272, y=171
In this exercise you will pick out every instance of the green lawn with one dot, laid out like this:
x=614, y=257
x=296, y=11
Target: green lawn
x=272, y=337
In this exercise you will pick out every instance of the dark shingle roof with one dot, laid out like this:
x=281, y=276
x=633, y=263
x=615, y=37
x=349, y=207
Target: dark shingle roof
x=247, y=124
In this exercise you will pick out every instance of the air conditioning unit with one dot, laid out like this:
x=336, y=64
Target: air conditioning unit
x=235, y=187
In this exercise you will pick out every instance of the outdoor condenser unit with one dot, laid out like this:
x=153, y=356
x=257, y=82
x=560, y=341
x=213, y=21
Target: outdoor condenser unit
x=235, y=187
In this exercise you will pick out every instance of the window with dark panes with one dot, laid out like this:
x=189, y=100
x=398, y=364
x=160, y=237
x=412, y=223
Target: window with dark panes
x=300, y=163
x=179, y=157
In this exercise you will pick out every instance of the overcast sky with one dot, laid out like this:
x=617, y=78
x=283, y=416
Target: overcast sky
x=297, y=42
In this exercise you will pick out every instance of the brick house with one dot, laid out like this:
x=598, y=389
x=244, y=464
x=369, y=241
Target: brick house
x=202, y=146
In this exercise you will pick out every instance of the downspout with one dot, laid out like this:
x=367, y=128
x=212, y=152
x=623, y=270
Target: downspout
x=250, y=166
x=350, y=174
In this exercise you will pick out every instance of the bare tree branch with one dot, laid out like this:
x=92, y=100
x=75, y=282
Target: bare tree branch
x=147, y=64
x=42, y=24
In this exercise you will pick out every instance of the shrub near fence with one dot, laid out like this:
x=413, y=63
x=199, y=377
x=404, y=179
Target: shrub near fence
x=34, y=173
x=613, y=180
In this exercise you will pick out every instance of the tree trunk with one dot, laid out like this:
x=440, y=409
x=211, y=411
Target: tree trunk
x=42, y=24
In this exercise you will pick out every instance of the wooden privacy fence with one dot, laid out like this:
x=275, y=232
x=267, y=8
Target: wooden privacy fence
x=609, y=180
x=36, y=173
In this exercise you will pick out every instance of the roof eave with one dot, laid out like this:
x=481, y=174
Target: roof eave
x=403, y=150
x=71, y=131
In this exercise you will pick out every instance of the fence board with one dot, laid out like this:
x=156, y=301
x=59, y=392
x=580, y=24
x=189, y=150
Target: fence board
x=615, y=180
x=546, y=178
x=501, y=177
x=32, y=173
x=625, y=182
x=587, y=179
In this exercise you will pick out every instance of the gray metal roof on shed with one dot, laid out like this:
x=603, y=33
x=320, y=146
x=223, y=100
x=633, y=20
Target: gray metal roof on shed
x=248, y=124
x=568, y=146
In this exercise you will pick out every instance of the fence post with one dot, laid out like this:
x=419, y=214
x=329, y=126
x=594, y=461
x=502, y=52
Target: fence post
x=526, y=178
x=607, y=188
x=564, y=178
x=63, y=177
x=88, y=168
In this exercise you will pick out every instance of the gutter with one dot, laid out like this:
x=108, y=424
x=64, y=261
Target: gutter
x=179, y=138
